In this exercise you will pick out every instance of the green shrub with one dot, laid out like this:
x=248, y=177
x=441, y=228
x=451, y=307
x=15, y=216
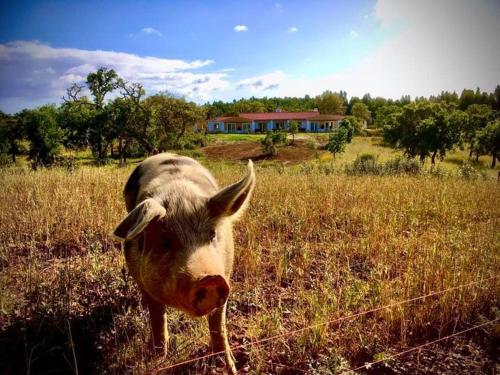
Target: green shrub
x=271, y=141
x=326, y=168
x=365, y=164
x=467, y=170
x=402, y=165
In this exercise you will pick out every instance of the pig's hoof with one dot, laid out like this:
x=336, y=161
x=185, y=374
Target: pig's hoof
x=230, y=362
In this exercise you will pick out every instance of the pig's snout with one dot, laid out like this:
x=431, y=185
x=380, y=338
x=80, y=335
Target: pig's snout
x=208, y=293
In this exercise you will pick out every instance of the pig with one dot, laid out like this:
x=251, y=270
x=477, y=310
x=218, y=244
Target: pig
x=178, y=242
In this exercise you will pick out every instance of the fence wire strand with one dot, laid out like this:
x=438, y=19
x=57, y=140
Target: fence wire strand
x=333, y=321
x=418, y=347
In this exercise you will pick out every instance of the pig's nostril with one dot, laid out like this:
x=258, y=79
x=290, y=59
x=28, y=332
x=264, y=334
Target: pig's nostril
x=209, y=293
x=200, y=294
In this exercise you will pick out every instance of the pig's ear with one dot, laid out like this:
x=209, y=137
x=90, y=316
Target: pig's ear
x=138, y=219
x=233, y=199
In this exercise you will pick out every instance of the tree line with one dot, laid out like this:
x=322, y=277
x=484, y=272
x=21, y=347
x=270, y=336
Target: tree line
x=112, y=117
x=115, y=118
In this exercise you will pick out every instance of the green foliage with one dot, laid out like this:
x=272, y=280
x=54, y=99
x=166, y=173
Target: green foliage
x=488, y=141
x=367, y=164
x=337, y=141
x=330, y=103
x=361, y=111
x=172, y=119
x=401, y=165
x=289, y=104
x=293, y=128
x=479, y=115
x=385, y=115
x=467, y=171
x=44, y=134
x=11, y=133
x=347, y=124
x=424, y=129
x=76, y=120
x=100, y=83
x=271, y=141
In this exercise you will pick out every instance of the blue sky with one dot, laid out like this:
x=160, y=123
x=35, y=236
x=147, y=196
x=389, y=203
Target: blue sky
x=208, y=50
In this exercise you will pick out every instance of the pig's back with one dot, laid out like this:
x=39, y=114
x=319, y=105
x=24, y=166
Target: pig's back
x=159, y=172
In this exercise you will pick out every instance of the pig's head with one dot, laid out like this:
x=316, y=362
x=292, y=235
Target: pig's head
x=180, y=244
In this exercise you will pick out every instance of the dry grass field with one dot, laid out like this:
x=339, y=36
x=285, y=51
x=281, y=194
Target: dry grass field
x=312, y=247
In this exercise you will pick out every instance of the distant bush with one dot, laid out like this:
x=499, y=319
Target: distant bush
x=402, y=165
x=468, y=171
x=271, y=141
x=365, y=164
x=440, y=172
x=326, y=168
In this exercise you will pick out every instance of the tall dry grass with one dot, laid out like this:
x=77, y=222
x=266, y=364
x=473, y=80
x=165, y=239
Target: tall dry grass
x=311, y=248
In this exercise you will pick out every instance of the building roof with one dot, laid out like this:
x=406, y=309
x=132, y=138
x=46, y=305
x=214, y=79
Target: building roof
x=248, y=117
x=232, y=119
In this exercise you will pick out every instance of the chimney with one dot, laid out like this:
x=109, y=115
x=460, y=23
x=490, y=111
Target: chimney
x=278, y=109
x=315, y=110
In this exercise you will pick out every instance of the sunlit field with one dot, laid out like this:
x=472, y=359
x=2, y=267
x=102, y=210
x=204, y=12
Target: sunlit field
x=312, y=247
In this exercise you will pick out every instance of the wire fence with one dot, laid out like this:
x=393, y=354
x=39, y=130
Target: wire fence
x=340, y=319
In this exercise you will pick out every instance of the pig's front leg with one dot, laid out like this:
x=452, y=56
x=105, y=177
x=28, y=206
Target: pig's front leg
x=159, y=330
x=218, y=334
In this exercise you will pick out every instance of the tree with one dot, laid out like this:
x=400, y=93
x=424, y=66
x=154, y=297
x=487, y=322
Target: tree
x=337, y=141
x=488, y=140
x=424, y=129
x=478, y=117
x=100, y=83
x=438, y=133
x=44, y=134
x=271, y=141
x=75, y=119
x=384, y=115
x=11, y=133
x=496, y=99
x=172, y=118
x=361, y=112
x=293, y=128
x=121, y=112
x=349, y=128
x=330, y=103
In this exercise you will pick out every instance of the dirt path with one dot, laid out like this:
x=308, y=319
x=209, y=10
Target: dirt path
x=241, y=151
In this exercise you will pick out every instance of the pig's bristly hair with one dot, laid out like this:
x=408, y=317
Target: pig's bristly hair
x=233, y=200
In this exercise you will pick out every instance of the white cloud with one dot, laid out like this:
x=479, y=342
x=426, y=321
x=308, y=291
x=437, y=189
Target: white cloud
x=435, y=45
x=293, y=29
x=151, y=31
x=270, y=81
x=33, y=71
x=240, y=28
x=353, y=34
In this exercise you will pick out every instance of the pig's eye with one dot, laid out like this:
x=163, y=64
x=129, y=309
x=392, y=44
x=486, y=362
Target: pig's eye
x=166, y=244
x=213, y=235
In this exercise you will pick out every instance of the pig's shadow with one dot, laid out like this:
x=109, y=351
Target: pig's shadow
x=41, y=343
